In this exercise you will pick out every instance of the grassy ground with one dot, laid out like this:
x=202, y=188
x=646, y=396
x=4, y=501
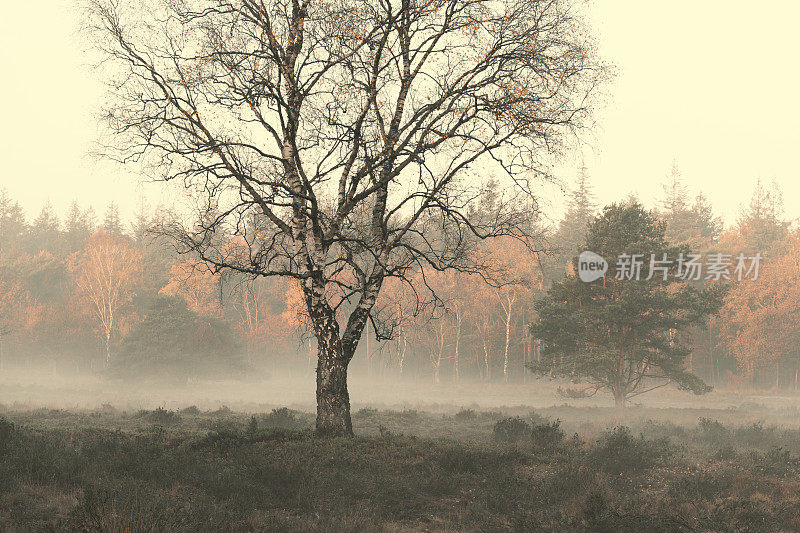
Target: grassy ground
x=467, y=470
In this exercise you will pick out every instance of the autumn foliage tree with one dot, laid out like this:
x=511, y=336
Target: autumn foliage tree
x=106, y=273
x=19, y=313
x=760, y=321
x=197, y=285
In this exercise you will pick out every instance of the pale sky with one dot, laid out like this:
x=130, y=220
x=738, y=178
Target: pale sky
x=713, y=85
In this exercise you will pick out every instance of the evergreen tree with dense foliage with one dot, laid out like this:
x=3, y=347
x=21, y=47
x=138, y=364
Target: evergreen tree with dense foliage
x=78, y=226
x=571, y=230
x=45, y=232
x=12, y=223
x=620, y=335
x=174, y=341
x=690, y=223
x=761, y=224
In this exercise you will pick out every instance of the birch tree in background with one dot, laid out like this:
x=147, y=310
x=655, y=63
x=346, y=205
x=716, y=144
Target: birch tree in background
x=106, y=274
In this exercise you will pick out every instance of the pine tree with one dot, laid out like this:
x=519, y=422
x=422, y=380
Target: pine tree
x=12, y=223
x=693, y=224
x=761, y=225
x=705, y=227
x=675, y=193
x=617, y=334
x=111, y=220
x=78, y=226
x=572, y=228
x=141, y=221
x=45, y=232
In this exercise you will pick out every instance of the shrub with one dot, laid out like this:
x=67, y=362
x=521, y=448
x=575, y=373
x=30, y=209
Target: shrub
x=282, y=418
x=161, y=416
x=618, y=451
x=756, y=434
x=513, y=429
x=366, y=412
x=221, y=440
x=457, y=459
x=573, y=393
x=703, y=486
x=713, y=431
x=172, y=340
x=223, y=411
x=252, y=425
x=726, y=453
x=466, y=414
x=191, y=410
x=547, y=435
x=777, y=462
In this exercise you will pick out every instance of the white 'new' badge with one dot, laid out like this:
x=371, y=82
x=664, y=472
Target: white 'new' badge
x=591, y=266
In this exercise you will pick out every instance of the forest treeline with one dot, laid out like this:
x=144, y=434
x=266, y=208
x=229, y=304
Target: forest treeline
x=99, y=294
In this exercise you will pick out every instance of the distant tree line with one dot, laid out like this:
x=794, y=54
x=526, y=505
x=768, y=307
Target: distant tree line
x=107, y=295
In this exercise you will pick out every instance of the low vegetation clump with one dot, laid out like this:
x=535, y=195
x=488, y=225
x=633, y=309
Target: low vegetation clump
x=6, y=434
x=619, y=451
x=466, y=414
x=547, y=435
x=512, y=429
x=161, y=416
x=286, y=418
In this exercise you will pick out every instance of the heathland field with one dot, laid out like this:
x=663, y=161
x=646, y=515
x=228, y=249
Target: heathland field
x=440, y=468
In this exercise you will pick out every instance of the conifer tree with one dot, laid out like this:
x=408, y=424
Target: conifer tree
x=762, y=224
x=111, y=220
x=619, y=333
x=12, y=223
x=572, y=228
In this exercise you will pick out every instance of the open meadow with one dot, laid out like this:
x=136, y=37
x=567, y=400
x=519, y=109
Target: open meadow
x=504, y=461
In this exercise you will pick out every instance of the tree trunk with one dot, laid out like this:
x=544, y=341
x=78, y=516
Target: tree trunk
x=108, y=348
x=333, y=356
x=438, y=361
x=508, y=338
x=403, y=355
x=333, y=400
x=487, y=375
x=619, y=398
x=459, y=318
x=369, y=360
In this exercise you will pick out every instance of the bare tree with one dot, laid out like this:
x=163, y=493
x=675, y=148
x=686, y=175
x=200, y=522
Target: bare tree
x=331, y=137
